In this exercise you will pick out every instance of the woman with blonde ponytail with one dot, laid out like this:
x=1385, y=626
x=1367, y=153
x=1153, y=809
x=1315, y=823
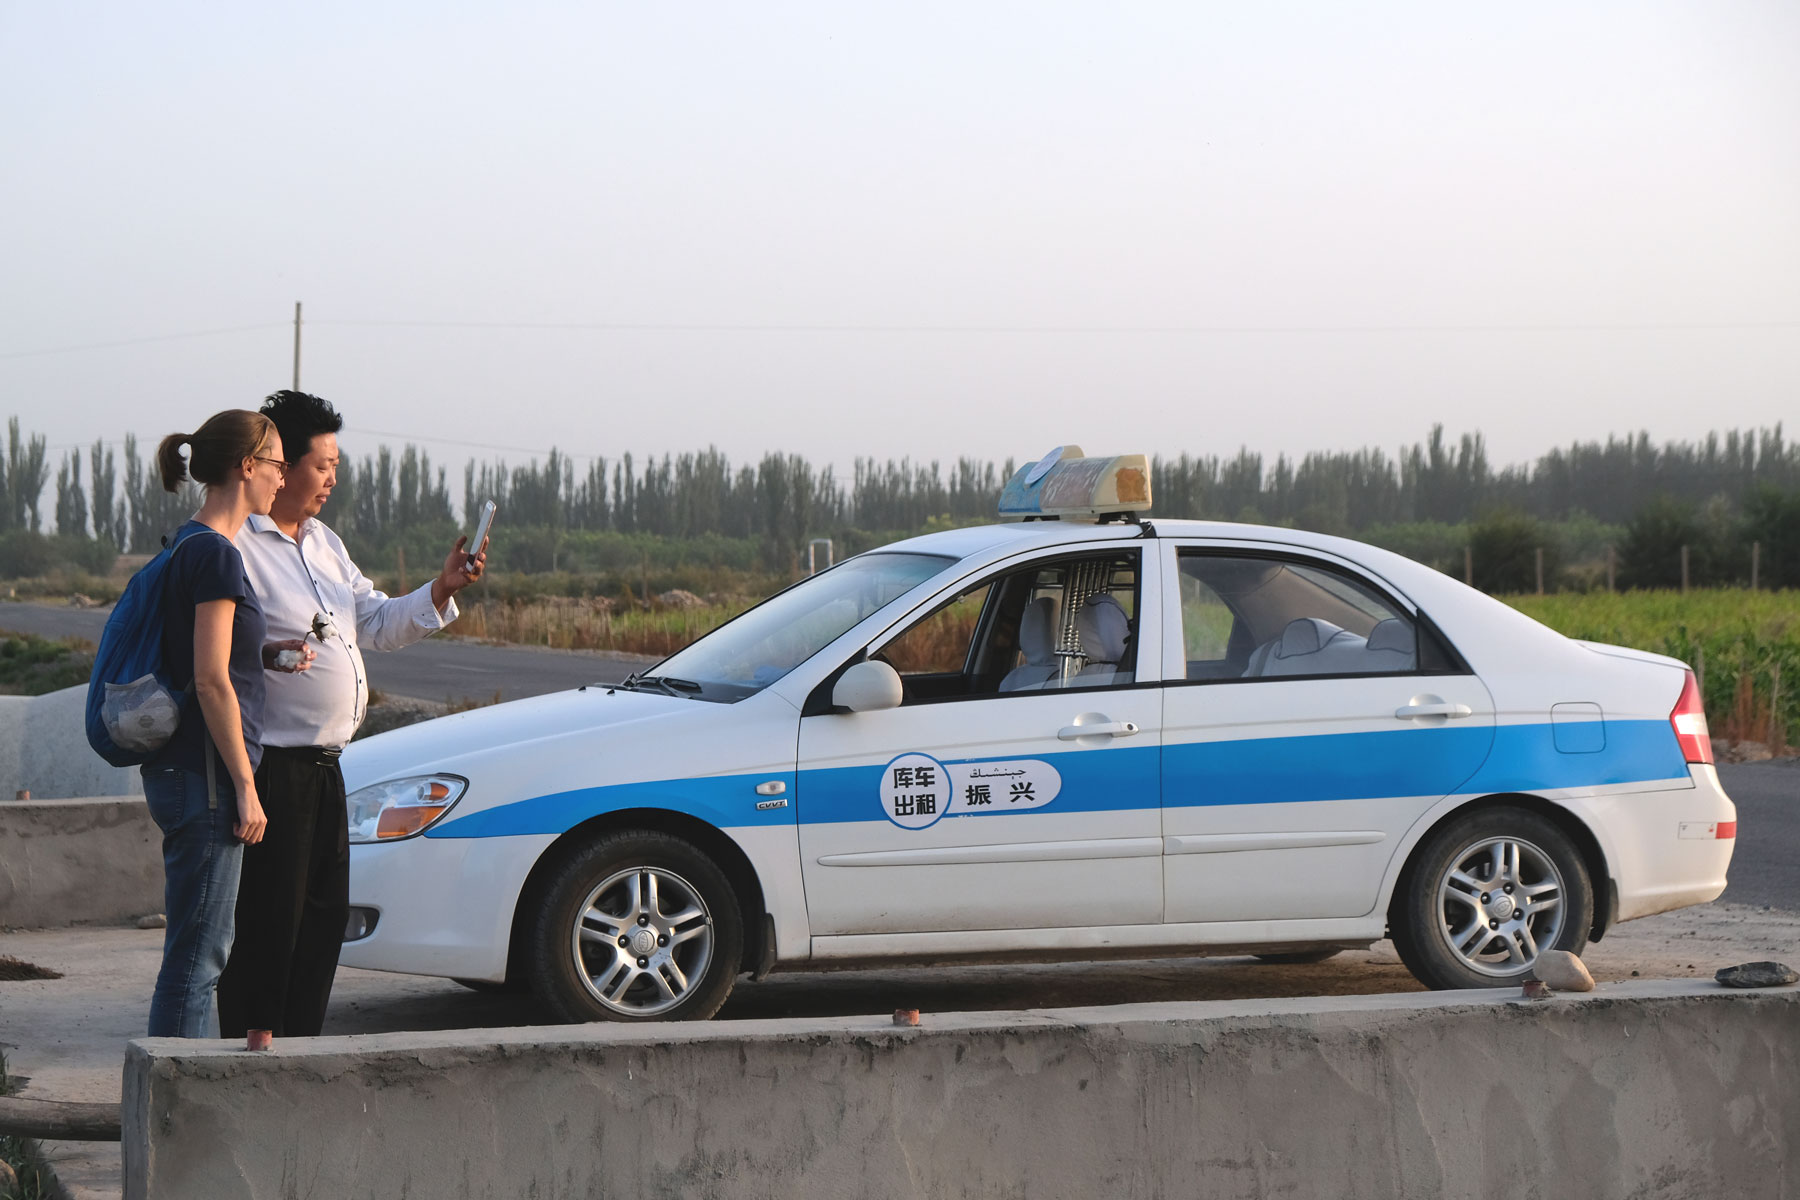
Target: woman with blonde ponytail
x=200, y=786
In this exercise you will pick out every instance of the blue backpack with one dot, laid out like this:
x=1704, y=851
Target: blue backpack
x=132, y=711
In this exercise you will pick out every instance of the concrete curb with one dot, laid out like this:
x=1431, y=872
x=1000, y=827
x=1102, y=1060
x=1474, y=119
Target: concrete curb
x=1641, y=1089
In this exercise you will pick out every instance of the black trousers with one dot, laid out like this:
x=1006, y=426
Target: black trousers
x=293, y=900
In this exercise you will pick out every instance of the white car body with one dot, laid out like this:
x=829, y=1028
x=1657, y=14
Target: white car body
x=1271, y=817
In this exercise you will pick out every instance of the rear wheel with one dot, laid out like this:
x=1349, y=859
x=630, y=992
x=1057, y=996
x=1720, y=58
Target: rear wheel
x=1485, y=895
x=637, y=926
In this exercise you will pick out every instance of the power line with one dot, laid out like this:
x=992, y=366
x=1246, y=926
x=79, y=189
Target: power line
x=975, y=329
x=671, y=327
x=161, y=337
x=442, y=441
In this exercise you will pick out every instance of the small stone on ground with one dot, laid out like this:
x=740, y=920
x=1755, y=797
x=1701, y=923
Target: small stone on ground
x=1757, y=974
x=1564, y=971
x=153, y=921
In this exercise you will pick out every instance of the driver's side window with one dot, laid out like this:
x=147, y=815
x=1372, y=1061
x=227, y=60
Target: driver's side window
x=1056, y=624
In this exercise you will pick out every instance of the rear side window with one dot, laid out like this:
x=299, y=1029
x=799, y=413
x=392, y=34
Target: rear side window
x=1264, y=618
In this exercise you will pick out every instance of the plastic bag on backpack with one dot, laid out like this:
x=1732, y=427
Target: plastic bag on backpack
x=140, y=716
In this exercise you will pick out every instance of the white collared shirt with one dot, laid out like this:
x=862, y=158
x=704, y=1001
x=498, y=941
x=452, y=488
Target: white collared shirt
x=322, y=706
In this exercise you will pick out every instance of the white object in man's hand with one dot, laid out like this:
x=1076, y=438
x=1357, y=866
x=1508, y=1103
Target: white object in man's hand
x=291, y=656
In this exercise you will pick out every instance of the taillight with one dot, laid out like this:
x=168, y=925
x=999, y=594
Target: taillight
x=1689, y=720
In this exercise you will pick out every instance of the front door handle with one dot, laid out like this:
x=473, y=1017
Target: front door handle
x=1433, y=710
x=1118, y=729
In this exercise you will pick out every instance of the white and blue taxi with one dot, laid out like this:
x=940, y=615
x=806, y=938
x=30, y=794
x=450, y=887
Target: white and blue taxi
x=1049, y=738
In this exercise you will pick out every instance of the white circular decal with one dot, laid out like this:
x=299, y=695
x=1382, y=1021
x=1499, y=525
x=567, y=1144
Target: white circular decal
x=915, y=791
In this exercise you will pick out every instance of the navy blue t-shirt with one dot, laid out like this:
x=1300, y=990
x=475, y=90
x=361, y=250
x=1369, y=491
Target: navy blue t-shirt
x=205, y=567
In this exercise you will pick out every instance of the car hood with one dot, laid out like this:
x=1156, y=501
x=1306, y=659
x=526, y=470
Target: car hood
x=456, y=742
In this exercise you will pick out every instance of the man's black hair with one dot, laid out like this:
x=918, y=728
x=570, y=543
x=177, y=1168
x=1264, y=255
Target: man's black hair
x=299, y=418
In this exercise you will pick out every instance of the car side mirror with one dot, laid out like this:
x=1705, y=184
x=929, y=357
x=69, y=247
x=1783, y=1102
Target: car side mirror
x=868, y=687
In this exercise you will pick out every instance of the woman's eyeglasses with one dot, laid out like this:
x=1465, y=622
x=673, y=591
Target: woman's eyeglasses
x=281, y=465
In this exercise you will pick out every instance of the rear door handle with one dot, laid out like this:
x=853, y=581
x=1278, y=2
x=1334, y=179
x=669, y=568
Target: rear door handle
x=1118, y=729
x=1433, y=710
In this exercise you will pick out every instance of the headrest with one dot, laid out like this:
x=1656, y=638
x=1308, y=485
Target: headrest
x=1392, y=634
x=1037, y=631
x=1305, y=635
x=1104, y=629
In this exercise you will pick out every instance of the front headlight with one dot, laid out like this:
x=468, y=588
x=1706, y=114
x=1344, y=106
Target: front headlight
x=399, y=808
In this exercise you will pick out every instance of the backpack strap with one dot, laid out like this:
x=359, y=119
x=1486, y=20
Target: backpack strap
x=206, y=748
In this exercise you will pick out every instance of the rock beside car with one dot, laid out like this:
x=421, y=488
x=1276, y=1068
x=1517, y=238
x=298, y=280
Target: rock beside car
x=1757, y=974
x=1563, y=971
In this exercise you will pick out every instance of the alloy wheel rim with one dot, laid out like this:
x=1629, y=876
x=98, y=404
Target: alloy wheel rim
x=642, y=941
x=1500, y=905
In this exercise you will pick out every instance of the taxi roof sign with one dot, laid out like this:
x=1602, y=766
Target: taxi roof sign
x=1067, y=484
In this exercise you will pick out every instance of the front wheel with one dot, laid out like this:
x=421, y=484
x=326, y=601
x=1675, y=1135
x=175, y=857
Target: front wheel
x=1485, y=895
x=637, y=926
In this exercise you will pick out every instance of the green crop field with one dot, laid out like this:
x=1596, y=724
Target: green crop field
x=1745, y=646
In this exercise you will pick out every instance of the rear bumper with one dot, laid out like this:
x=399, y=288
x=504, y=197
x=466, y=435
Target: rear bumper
x=1662, y=847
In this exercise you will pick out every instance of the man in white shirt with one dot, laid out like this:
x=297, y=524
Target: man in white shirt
x=293, y=898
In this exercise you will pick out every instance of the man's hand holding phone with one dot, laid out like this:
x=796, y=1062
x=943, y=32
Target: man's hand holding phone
x=460, y=570
x=468, y=559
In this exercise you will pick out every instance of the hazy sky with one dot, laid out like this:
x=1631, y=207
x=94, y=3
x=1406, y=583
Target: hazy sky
x=914, y=229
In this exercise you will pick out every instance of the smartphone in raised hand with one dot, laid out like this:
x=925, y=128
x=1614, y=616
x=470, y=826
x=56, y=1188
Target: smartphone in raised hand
x=473, y=546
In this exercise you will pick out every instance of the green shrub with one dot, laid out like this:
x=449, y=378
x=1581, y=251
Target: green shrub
x=1505, y=545
x=31, y=665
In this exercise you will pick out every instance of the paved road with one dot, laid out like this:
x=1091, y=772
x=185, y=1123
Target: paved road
x=437, y=669
x=1765, y=869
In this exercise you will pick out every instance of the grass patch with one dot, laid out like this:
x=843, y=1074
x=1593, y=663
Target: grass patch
x=31, y=665
x=34, y=1179
x=568, y=624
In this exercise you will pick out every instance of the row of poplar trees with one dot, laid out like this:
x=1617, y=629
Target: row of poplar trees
x=781, y=500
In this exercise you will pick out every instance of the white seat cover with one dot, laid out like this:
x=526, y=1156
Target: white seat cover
x=1392, y=646
x=1037, y=642
x=1104, y=630
x=1310, y=646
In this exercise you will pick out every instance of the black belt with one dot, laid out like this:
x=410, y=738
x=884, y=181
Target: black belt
x=324, y=756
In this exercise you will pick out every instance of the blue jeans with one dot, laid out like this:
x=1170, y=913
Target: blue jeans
x=201, y=861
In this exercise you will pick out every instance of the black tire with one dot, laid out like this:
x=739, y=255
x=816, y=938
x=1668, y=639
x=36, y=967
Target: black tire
x=1484, y=894
x=1302, y=956
x=680, y=956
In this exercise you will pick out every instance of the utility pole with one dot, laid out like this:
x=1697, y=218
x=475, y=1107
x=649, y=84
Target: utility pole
x=296, y=345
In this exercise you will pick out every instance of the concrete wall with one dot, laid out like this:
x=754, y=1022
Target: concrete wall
x=1642, y=1090
x=43, y=747
x=67, y=860
x=77, y=862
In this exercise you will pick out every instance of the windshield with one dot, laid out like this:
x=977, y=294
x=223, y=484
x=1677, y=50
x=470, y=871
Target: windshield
x=748, y=654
